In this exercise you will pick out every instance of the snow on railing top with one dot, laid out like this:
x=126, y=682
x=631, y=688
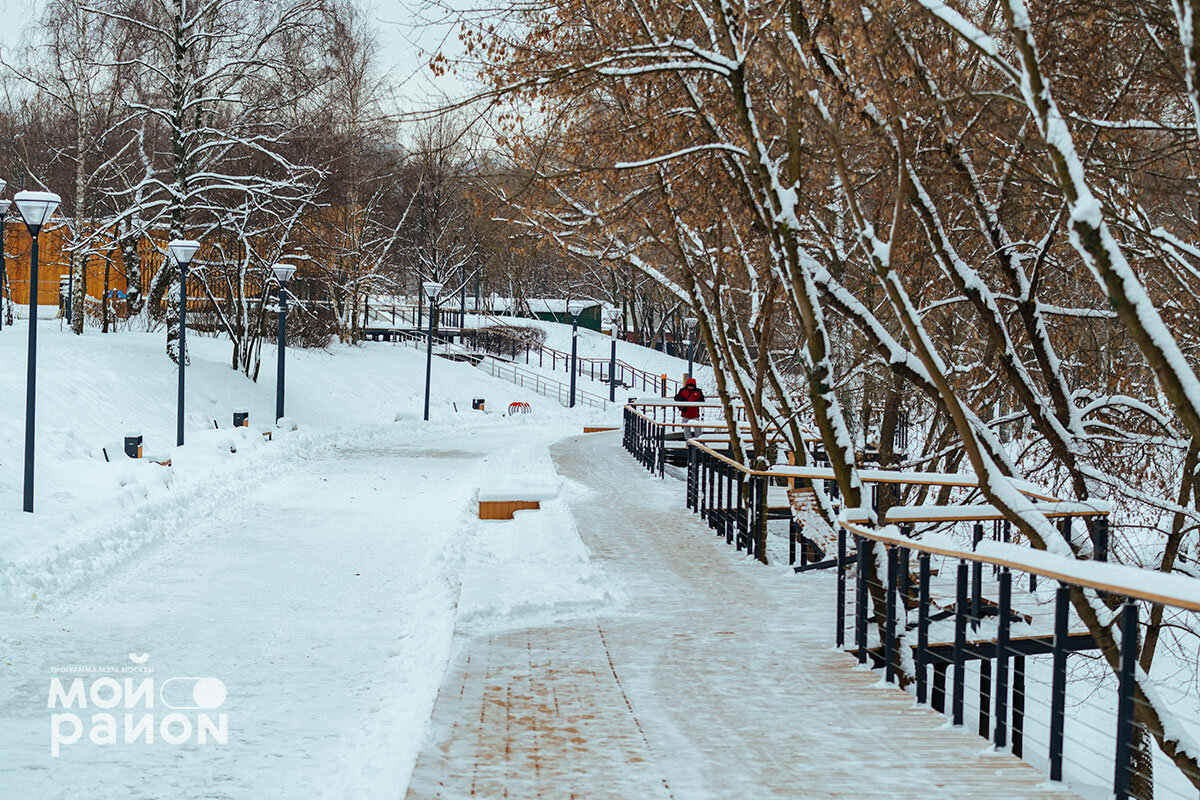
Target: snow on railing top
x=953, y=479
x=1119, y=579
x=984, y=512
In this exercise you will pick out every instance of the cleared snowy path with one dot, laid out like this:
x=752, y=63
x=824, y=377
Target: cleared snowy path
x=716, y=678
x=323, y=598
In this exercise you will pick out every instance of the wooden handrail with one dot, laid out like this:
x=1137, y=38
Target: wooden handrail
x=1118, y=579
x=987, y=513
x=960, y=480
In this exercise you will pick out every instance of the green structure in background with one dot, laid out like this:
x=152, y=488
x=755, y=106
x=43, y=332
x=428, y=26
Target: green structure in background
x=556, y=311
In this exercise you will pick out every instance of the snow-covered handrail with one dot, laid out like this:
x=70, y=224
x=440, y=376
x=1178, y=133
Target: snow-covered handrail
x=986, y=513
x=953, y=479
x=1127, y=581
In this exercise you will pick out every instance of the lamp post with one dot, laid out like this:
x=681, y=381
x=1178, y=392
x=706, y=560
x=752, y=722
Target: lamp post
x=574, y=307
x=432, y=290
x=182, y=250
x=690, y=324
x=3, y=269
x=36, y=208
x=283, y=274
x=612, y=359
x=420, y=307
x=462, y=297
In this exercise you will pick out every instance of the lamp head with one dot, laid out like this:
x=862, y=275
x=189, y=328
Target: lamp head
x=283, y=272
x=576, y=307
x=4, y=205
x=36, y=208
x=183, y=250
x=432, y=289
x=691, y=323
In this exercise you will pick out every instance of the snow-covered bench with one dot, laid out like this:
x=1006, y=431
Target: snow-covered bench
x=498, y=500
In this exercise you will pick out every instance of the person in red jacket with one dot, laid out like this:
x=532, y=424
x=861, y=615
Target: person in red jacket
x=690, y=393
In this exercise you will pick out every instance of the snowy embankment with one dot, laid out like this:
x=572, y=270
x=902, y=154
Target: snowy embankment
x=92, y=513
x=320, y=576
x=597, y=345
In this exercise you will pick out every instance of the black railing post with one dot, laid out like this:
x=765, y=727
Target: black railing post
x=1005, y=603
x=730, y=522
x=976, y=579
x=725, y=493
x=960, y=645
x=1018, y=706
x=841, y=587
x=860, y=599
x=985, y=697
x=742, y=537
x=1100, y=538
x=662, y=451
x=1123, y=779
x=760, y=530
x=1058, y=682
x=889, y=627
x=743, y=514
x=712, y=486
x=724, y=501
x=937, y=693
x=691, y=476
x=922, y=623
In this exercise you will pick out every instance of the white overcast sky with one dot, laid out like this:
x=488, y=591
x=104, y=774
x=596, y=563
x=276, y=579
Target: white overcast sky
x=409, y=34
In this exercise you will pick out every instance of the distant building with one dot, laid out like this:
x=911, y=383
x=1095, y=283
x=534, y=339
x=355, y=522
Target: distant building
x=549, y=310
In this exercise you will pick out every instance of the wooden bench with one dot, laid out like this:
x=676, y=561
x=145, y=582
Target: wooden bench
x=502, y=499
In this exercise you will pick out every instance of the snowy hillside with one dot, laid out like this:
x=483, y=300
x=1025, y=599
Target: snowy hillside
x=318, y=578
x=593, y=344
x=93, y=389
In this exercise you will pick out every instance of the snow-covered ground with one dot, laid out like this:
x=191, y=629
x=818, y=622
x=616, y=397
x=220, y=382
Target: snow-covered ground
x=315, y=579
x=596, y=345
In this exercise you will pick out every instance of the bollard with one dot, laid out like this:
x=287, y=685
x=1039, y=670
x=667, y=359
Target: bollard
x=241, y=418
x=664, y=385
x=133, y=445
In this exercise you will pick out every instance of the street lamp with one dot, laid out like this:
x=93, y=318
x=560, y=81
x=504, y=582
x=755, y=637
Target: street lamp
x=182, y=250
x=613, y=319
x=690, y=324
x=4, y=204
x=462, y=297
x=283, y=274
x=432, y=290
x=574, y=307
x=36, y=208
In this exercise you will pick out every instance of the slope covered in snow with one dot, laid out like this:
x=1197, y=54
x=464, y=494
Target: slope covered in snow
x=303, y=593
x=597, y=345
x=95, y=388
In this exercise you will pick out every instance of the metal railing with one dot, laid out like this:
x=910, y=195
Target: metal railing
x=596, y=369
x=1012, y=659
x=547, y=387
x=526, y=379
x=1039, y=653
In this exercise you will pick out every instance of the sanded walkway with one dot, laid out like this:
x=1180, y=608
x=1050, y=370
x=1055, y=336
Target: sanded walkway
x=717, y=679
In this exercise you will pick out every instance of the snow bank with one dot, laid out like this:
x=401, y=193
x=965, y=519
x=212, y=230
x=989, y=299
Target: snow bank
x=514, y=489
x=533, y=569
x=95, y=507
